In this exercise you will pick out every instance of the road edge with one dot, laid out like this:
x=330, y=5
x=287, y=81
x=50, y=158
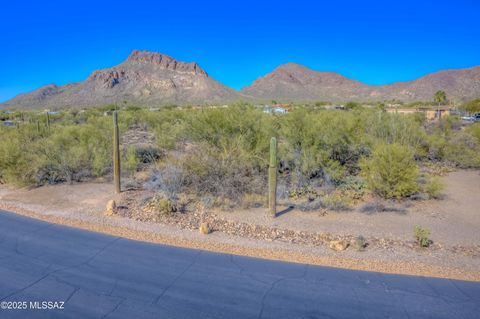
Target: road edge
x=285, y=255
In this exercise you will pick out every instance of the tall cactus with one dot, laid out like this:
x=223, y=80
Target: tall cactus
x=47, y=121
x=116, y=154
x=272, y=178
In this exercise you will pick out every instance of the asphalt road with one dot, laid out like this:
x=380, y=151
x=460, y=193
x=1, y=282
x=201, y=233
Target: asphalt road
x=100, y=276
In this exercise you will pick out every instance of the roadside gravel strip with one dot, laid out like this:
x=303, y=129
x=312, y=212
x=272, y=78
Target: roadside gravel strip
x=388, y=262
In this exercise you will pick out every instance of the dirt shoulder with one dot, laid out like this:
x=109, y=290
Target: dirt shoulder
x=294, y=236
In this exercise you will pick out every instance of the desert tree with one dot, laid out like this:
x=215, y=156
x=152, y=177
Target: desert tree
x=440, y=97
x=472, y=106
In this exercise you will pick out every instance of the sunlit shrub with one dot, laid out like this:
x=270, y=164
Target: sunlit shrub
x=391, y=171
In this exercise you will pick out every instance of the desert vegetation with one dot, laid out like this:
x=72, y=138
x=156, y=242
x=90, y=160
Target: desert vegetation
x=220, y=156
x=422, y=236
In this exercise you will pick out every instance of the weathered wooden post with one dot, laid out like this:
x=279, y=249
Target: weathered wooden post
x=116, y=154
x=272, y=178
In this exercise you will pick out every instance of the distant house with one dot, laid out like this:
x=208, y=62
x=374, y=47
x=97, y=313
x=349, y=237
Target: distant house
x=430, y=113
x=274, y=110
x=51, y=112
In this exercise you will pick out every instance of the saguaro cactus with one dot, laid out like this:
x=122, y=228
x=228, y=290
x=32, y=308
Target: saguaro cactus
x=272, y=178
x=47, y=123
x=116, y=154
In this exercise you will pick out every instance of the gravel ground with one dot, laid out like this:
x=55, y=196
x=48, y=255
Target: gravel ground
x=262, y=227
x=293, y=236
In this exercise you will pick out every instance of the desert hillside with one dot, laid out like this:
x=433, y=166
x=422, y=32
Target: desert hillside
x=294, y=82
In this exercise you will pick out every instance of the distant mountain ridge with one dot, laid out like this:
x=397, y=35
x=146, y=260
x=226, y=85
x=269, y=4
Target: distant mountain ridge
x=295, y=82
x=154, y=79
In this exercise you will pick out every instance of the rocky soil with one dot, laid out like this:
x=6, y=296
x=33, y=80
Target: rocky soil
x=297, y=236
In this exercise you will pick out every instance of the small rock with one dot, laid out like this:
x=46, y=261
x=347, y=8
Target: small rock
x=111, y=208
x=338, y=245
x=204, y=229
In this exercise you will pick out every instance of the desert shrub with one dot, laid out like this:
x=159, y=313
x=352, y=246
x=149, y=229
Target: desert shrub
x=463, y=150
x=336, y=201
x=324, y=145
x=449, y=144
x=170, y=127
x=474, y=130
x=299, y=192
x=223, y=152
x=75, y=152
x=391, y=171
x=169, y=178
x=352, y=105
x=228, y=174
x=148, y=154
x=355, y=186
x=17, y=160
x=131, y=160
x=63, y=153
x=400, y=129
x=434, y=187
x=247, y=127
x=422, y=236
x=472, y=106
x=359, y=243
x=162, y=204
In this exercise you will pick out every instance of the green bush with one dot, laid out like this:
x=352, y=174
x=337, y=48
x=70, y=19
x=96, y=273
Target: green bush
x=131, y=161
x=391, y=171
x=463, y=150
x=472, y=106
x=17, y=158
x=434, y=187
x=163, y=205
x=422, y=236
x=63, y=153
x=352, y=106
x=474, y=130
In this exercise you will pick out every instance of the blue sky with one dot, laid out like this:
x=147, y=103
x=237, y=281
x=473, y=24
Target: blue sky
x=236, y=41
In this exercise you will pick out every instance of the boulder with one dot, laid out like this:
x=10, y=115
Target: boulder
x=338, y=245
x=111, y=208
x=204, y=229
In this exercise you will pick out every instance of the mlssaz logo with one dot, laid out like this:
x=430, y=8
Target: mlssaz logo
x=47, y=305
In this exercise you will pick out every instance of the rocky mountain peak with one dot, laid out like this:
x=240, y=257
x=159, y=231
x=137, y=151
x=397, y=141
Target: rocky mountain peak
x=164, y=61
x=145, y=78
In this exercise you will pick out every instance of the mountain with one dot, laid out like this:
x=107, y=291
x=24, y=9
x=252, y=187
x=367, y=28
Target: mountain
x=154, y=79
x=294, y=82
x=146, y=78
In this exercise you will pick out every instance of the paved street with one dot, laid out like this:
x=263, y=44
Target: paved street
x=100, y=276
